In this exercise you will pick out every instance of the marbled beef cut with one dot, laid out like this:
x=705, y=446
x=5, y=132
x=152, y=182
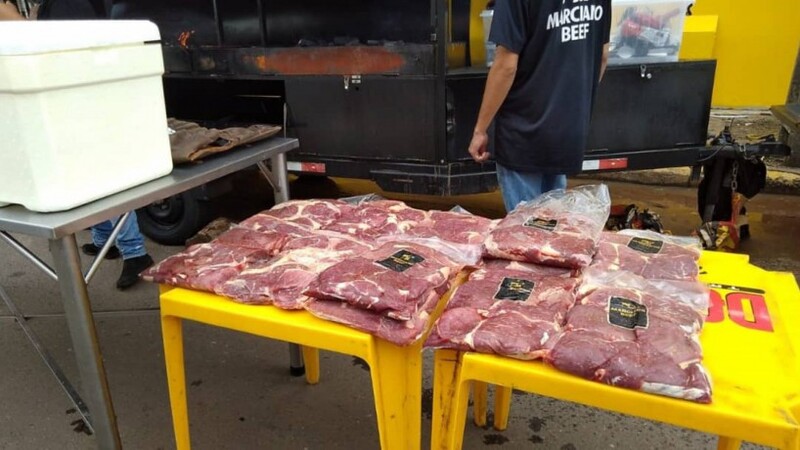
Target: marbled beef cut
x=636, y=333
x=560, y=228
x=649, y=254
x=281, y=281
x=505, y=311
x=313, y=214
x=395, y=279
x=372, y=220
x=204, y=267
x=455, y=227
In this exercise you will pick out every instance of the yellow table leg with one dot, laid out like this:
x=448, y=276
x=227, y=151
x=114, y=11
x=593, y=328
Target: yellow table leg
x=450, y=400
x=311, y=360
x=171, y=329
x=397, y=386
x=726, y=443
x=502, y=407
x=480, y=402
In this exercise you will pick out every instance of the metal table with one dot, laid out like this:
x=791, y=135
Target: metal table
x=60, y=229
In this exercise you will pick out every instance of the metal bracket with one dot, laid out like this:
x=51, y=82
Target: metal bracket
x=262, y=166
x=111, y=239
x=644, y=73
x=29, y=255
x=51, y=364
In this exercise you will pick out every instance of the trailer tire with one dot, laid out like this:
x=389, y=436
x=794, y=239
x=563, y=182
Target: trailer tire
x=175, y=219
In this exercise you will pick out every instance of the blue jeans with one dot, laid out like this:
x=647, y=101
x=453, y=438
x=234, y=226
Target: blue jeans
x=525, y=186
x=129, y=240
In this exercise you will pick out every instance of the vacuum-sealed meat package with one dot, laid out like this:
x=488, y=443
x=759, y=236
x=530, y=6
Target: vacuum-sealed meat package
x=649, y=254
x=281, y=281
x=394, y=279
x=204, y=267
x=371, y=220
x=313, y=214
x=505, y=311
x=560, y=228
x=635, y=333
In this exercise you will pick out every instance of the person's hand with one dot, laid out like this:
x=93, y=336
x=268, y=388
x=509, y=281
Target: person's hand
x=8, y=11
x=477, y=148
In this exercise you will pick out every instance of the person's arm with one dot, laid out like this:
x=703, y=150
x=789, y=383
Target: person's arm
x=498, y=83
x=604, y=61
x=8, y=11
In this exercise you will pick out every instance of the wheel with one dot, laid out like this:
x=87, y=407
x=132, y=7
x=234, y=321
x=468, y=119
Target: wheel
x=175, y=219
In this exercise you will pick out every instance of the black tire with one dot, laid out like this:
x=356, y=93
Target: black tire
x=175, y=219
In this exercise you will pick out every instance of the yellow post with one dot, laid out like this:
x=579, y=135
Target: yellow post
x=502, y=406
x=397, y=386
x=480, y=402
x=171, y=329
x=726, y=443
x=311, y=360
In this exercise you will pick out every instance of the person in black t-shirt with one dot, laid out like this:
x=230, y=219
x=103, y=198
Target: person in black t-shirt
x=550, y=57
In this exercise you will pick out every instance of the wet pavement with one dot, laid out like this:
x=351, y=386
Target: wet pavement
x=240, y=393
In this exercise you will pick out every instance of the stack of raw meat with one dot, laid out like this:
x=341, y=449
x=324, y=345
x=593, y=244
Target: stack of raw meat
x=560, y=228
x=649, y=254
x=391, y=291
x=636, y=333
x=624, y=309
x=506, y=308
x=354, y=263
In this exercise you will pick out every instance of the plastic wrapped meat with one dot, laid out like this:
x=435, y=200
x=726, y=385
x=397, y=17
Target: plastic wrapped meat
x=204, y=267
x=372, y=220
x=649, y=254
x=395, y=279
x=636, y=333
x=505, y=312
x=454, y=227
x=313, y=214
x=269, y=241
x=560, y=228
x=282, y=281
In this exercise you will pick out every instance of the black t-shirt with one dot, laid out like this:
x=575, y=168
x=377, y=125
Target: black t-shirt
x=543, y=124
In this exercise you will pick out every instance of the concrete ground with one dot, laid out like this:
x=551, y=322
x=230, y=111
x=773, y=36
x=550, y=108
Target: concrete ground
x=239, y=390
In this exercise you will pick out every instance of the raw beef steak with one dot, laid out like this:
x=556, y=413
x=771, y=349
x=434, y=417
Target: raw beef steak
x=560, y=228
x=269, y=241
x=372, y=220
x=649, y=254
x=282, y=280
x=393, y=279
x=313, y=214
x=204, y=267
x=506, y=312
x=453, y=227
x=536, y=269
x=630, y=332
x=399, y=332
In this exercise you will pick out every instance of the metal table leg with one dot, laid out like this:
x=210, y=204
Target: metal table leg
x=78, y=312
x=279, y=180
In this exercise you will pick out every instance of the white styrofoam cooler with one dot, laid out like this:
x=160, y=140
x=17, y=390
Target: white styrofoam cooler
x=82, y=112
x=646, y=31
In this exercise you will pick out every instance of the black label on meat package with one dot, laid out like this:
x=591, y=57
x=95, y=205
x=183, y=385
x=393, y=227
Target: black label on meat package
x=646, y=245
x=515, y=289
x=544, y=224
x=401, y=261
x=626, y=313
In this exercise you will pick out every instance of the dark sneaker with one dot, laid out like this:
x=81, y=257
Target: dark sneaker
x=93, y=250
x=131, y=268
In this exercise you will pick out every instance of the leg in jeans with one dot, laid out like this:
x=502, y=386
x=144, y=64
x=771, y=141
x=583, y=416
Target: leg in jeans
x=518, y=187
x=129, y=240
x=526, y=186
x=552, y=182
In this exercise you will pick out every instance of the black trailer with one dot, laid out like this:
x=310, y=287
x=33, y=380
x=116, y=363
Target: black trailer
x=384, y=90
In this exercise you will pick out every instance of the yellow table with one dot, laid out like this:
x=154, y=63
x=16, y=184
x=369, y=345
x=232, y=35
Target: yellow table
x=750, y=342
x=396, y=371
